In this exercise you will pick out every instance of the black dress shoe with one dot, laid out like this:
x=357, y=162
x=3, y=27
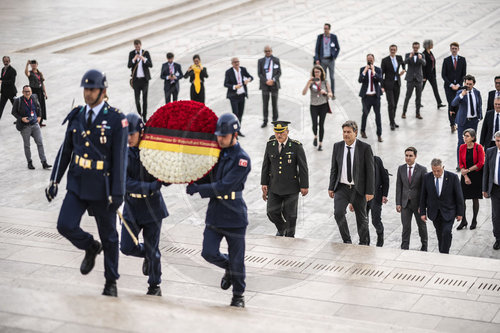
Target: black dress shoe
x=496, y=246
x=380, y=239
x=315, y=142
x=396, y=125
x=110, y=288
x=145, y=267
x=393, y=127
x=238, y=301
x=418, y=116
x=421, y=106
x=264, y=124
x=154, y=290
x=226, y=282
x=473, y=225
x=241, y=134
x=89, y=260
x=320, y=148
x=423, y=248
x=46, y=165
x=441, y=105
x=280, y=234
x=380, y=139
x=403, y=116
x=363, y=135
x=462, y=225
x=31, y=166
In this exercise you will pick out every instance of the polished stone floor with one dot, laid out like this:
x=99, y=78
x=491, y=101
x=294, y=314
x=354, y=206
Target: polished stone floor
x=69, y=38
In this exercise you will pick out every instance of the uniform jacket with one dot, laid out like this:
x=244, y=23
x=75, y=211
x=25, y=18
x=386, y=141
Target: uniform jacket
x=19, y=111
x=491, y=100
x=90, y=183
x=334, y=47
x=276, y=69
x=463, y=103
x=451, y=201
x=8, y=88
x=145, y=66
x=488, y=128
x=285, y=172
x=363, y=79
x=363, y=170
x=414, y=69
x=142, y=210
x=165, y=72
x=389, y=74
x=381, y=180
x=230, y=81
x=489, y=169
x=230, y=176
x=405, y=190
x=451, y=75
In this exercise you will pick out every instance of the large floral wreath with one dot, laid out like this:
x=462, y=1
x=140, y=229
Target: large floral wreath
x=178, y=145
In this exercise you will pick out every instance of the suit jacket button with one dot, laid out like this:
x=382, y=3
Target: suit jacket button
x=85, y=155
x=87, y=144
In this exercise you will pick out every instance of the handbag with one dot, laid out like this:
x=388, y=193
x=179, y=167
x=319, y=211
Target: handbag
x=132, y=76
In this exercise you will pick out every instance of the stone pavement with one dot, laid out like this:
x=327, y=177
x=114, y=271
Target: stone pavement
x=69, y=38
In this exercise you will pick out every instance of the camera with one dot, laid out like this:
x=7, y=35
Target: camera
x=32, y=62
x=369, y=63
x=315, y=79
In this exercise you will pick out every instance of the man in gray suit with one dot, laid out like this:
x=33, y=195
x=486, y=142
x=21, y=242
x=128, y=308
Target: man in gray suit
x=352, y=180
x=491, y=186
x=414, y=78
x=408, y=189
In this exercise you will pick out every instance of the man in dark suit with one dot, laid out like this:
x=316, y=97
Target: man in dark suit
x=284, y=175
x=453, y=72
x=391, y=82
x=236, y=81
x=370, y=77
x=171, y=72
x=352, y=180
x=414, y=78
x=408, y=190
x=442, y=201
x=491, y=125
x=326, y=52
x=381, y=192
x=269, y=71
x=491, y=185
x=139, y=61
x=469, y=111
x=491, y=95
x=8, y=84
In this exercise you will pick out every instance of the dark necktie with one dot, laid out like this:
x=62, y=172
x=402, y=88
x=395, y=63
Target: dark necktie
x=409, y=175
x=471, y=103
x=282, y=146
x=349, y=171
x=455, y=63
x=498, y=175
x=437, y=186
x=497, y=125
x=89, y=118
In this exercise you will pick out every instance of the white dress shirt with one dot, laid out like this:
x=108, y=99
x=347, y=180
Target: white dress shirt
x=469, y=114
x=369, y=90
x=237, y=73
x=95, y=110
x=495, y=178
x=140, y=71
x=343, y=174
x=440, y=182
x=494, y=121
x=395, y=65
x=284, y=145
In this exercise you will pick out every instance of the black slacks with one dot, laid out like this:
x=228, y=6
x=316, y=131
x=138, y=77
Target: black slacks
x=238, y=105
x=141, y=85
x=273, y=93
x=495, y=210
x=3, y=102
x=450, y=95
x=407, y=212
x=443, y=232
x=392, y=96
x=343, y=196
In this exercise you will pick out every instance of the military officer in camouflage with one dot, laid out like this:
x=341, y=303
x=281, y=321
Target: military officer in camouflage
x=284, y=175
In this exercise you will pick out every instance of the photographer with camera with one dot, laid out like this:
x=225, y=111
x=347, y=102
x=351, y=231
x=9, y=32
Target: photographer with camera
x=370, y=77
x=320, y=92
x=36, y=82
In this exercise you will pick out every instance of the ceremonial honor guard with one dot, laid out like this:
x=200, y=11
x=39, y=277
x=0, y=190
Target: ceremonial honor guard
x=227, y=211
x=144, y=209
x=284, y=175
x=95, y=149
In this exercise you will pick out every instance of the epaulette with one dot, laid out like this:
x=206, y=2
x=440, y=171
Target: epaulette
x=272, y=138
x=296, y=141
x=72, y=114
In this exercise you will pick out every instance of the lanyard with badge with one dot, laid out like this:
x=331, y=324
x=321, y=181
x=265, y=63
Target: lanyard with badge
x=30, y=107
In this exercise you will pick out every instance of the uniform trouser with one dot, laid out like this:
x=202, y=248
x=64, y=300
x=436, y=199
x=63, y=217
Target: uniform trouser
x=495, y=211
x=141, y=85
x=34, y=131
x=234, y=260
x=171, y=93
x=410, y=85
x=68, y=225
x=432, y=81
x=238, y=105
x=369, y=102
x=450, y=95
x=443, y=232
x=273, y=93
x=329, y=63
x=406, y=215
x=282, y=211
x=3, y=102
x=392, y=96
x=376, y=213
x=460, y=132
x=149, y=249
x=343, y=196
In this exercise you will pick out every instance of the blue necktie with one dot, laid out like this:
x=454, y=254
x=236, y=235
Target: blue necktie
x=437, y=186
x=497, y=125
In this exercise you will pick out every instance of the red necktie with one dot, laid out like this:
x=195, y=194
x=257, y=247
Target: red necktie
x=455, y=63
x=409, y=175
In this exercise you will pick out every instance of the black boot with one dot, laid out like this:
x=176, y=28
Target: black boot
x=238, y=301
x=46, y=165
x=473, y=224
x=89, y=260
x=30, y=165
x=110, y=288
x=226, y=282
x=462, y=224
x=145, y=267
x=380, y=239
x=154, y=290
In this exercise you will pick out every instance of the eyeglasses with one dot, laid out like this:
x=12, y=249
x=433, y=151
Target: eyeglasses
x=267, y=51
x=26, y=91
x=497, y=82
